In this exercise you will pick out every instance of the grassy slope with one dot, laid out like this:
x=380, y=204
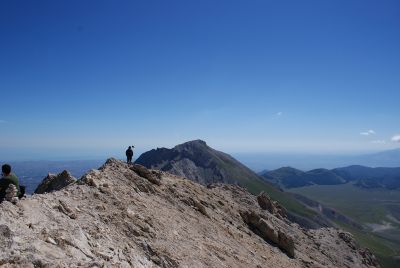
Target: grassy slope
x=366, y=206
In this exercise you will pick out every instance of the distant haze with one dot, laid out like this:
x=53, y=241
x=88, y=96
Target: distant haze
x=260, y=162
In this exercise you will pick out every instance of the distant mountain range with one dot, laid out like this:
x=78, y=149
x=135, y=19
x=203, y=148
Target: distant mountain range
x=366, y=177
x=288, y=177
x=390, y=158
x=261, y=161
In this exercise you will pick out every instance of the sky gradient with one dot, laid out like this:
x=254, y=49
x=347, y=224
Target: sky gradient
x=87, y=78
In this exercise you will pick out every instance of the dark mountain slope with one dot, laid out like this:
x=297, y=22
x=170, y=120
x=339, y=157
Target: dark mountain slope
x=323, y=176
x=198, y=162
x=287, y=177
x=367, y=177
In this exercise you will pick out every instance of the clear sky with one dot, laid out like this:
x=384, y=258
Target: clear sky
x=87, y=78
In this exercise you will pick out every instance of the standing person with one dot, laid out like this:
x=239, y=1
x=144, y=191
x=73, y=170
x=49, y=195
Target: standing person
x=7, y=179
x=129, y=154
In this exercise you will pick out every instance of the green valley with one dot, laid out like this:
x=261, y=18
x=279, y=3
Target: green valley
x=378, y=210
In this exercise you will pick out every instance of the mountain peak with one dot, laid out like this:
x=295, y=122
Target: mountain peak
x=199, y=162
x=289, y=169
x=196, y=144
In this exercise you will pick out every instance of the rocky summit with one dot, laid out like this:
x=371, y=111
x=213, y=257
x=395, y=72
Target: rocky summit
x=129, y=216
x=199, y=162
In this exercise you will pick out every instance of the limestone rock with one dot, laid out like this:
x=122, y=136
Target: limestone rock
x=286, y=243
x=54, y=182
x=118, y=216
x=272, y=206
x=265, y=230
x=145, y=173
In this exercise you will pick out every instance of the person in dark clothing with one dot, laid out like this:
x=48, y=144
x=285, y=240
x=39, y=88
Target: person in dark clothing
x=129, y=154
x=7, y=179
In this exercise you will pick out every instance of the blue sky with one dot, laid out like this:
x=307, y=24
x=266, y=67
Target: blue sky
x=86, y=78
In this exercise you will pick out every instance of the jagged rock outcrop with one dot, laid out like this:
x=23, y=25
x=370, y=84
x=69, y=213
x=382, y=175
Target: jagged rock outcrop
x=272, y=206
x=261, y=226
x=152, y=176
x=54, y=182
x=114, y=217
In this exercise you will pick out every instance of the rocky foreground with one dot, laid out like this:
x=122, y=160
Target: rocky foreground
x=128, y=216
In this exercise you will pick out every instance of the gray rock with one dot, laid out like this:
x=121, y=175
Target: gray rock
x=272, y=206
x=145, y=173
x=286, y=243
x=266, y=230
x=55, y=182
x=269, y=231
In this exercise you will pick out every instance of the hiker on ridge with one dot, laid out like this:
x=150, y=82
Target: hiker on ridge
x=129, y=154
x=7, y=179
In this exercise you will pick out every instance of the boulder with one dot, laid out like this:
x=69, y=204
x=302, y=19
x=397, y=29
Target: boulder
x=272, y=206
x=286, y=243
x=54, y=182
x=267, y=231
x=145, y=173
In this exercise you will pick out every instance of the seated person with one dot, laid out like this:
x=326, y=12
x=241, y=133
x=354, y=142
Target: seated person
x=7, y=179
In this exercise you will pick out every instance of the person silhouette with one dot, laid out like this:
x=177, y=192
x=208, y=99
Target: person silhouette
x=129, y=154
x=8, y=178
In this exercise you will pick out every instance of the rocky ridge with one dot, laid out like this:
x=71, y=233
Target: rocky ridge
x=129, y=216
